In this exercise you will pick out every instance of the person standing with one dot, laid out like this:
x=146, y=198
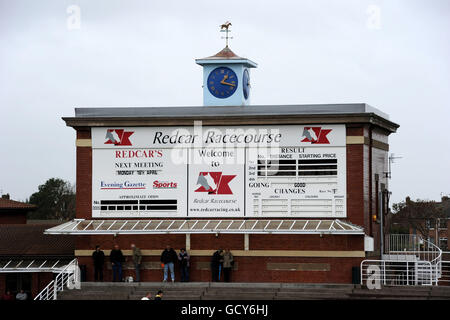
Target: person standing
x=168, y=258
x=137, y=259
x=228, y=262
x=99, y=260
x=116, y=257
x=216, y=260
x=183, y=258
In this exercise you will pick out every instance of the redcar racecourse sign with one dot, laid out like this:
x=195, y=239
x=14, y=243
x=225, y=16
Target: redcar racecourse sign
x=247, y=171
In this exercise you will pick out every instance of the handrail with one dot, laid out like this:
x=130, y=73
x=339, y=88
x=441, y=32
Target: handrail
x=67, y=276
x=400, y=246
x=396, y=273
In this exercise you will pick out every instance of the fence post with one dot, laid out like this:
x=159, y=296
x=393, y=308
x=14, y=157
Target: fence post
x=55, y=288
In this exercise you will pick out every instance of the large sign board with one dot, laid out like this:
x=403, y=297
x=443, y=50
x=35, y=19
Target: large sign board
x=249, y=171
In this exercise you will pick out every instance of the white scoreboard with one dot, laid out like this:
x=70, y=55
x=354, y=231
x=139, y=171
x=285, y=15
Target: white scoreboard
x=250, y=171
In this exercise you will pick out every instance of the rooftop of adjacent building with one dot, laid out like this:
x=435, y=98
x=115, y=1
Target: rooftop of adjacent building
x=18, y=240
x=7, y=204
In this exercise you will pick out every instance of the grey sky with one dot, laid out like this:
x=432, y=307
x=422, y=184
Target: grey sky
x=141, y=53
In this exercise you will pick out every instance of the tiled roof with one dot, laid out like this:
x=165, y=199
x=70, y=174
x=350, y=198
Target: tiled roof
x=225, y=53
x=11, y=204
x=26, y=239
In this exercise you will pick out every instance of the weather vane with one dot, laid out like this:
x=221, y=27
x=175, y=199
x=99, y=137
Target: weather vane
x=225, y=28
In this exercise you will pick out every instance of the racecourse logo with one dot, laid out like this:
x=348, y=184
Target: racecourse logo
x=118, y=137
x=316, y=135
x=214, y=183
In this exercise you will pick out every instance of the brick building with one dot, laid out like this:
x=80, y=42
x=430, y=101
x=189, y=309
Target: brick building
x=434, y=227
x=307, y=212
x=14, y=212
x=28, y=257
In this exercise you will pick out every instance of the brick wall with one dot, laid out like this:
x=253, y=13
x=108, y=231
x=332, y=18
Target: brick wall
x=84, y=177
x=39, y=281
x=249, y=269
x=13, y=218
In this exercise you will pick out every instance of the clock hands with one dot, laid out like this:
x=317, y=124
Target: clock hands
x=225, y=77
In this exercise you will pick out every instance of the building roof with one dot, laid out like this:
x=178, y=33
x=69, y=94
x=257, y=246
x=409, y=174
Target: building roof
x=217, y=115
x=30, y=240
x=167, y=226
x=20, y=265
x=6, y=204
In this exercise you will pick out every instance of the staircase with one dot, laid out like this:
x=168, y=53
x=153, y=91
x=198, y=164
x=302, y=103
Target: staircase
x=408, y=260
x=248, y=291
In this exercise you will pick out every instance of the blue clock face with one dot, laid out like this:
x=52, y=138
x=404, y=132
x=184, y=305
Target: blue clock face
x=246, y=84
x=222, y=82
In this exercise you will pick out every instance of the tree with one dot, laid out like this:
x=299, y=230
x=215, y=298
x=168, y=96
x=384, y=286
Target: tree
x=421, y=215
x=55, y=200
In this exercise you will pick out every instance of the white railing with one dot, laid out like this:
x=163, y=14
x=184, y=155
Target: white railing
x=410, y=247
x=69, y=277
x=407, y=260
x=396, y=273
x=445, y=273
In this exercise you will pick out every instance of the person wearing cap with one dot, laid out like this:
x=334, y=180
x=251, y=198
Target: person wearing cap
x=159, y=295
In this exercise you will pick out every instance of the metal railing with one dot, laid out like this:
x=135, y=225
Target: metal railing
x=396, y=273
x=407, y=260
x=445, y=270
x=411, y=247
x=69, y=277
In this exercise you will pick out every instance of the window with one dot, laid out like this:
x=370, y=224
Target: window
x=443, y=243
x=443, y=223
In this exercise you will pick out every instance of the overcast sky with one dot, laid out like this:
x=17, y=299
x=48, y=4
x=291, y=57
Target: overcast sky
x=393, y=55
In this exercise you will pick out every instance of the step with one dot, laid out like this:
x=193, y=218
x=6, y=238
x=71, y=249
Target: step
x=387, y=294
x=310, y=295
x=333, y=291
x=238, y=290
x=244, y=285
x=70, y=296
x=319, y=286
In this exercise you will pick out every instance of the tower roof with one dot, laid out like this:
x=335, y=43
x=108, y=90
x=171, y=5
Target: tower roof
x=226, y=56
x=225, y=53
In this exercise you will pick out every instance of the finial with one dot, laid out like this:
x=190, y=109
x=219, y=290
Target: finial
x=225, y=28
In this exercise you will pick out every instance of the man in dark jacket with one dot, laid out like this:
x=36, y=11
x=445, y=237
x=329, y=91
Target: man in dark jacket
x=183, y=258
x=116, y=257
x=168, y=258
x=99, y=260
x=216, y=260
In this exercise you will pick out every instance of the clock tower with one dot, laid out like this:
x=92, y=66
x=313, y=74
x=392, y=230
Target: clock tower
x=226, y=77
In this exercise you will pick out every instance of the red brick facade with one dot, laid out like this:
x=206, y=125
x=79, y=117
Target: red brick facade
x=363, y=162
x=13, y=218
